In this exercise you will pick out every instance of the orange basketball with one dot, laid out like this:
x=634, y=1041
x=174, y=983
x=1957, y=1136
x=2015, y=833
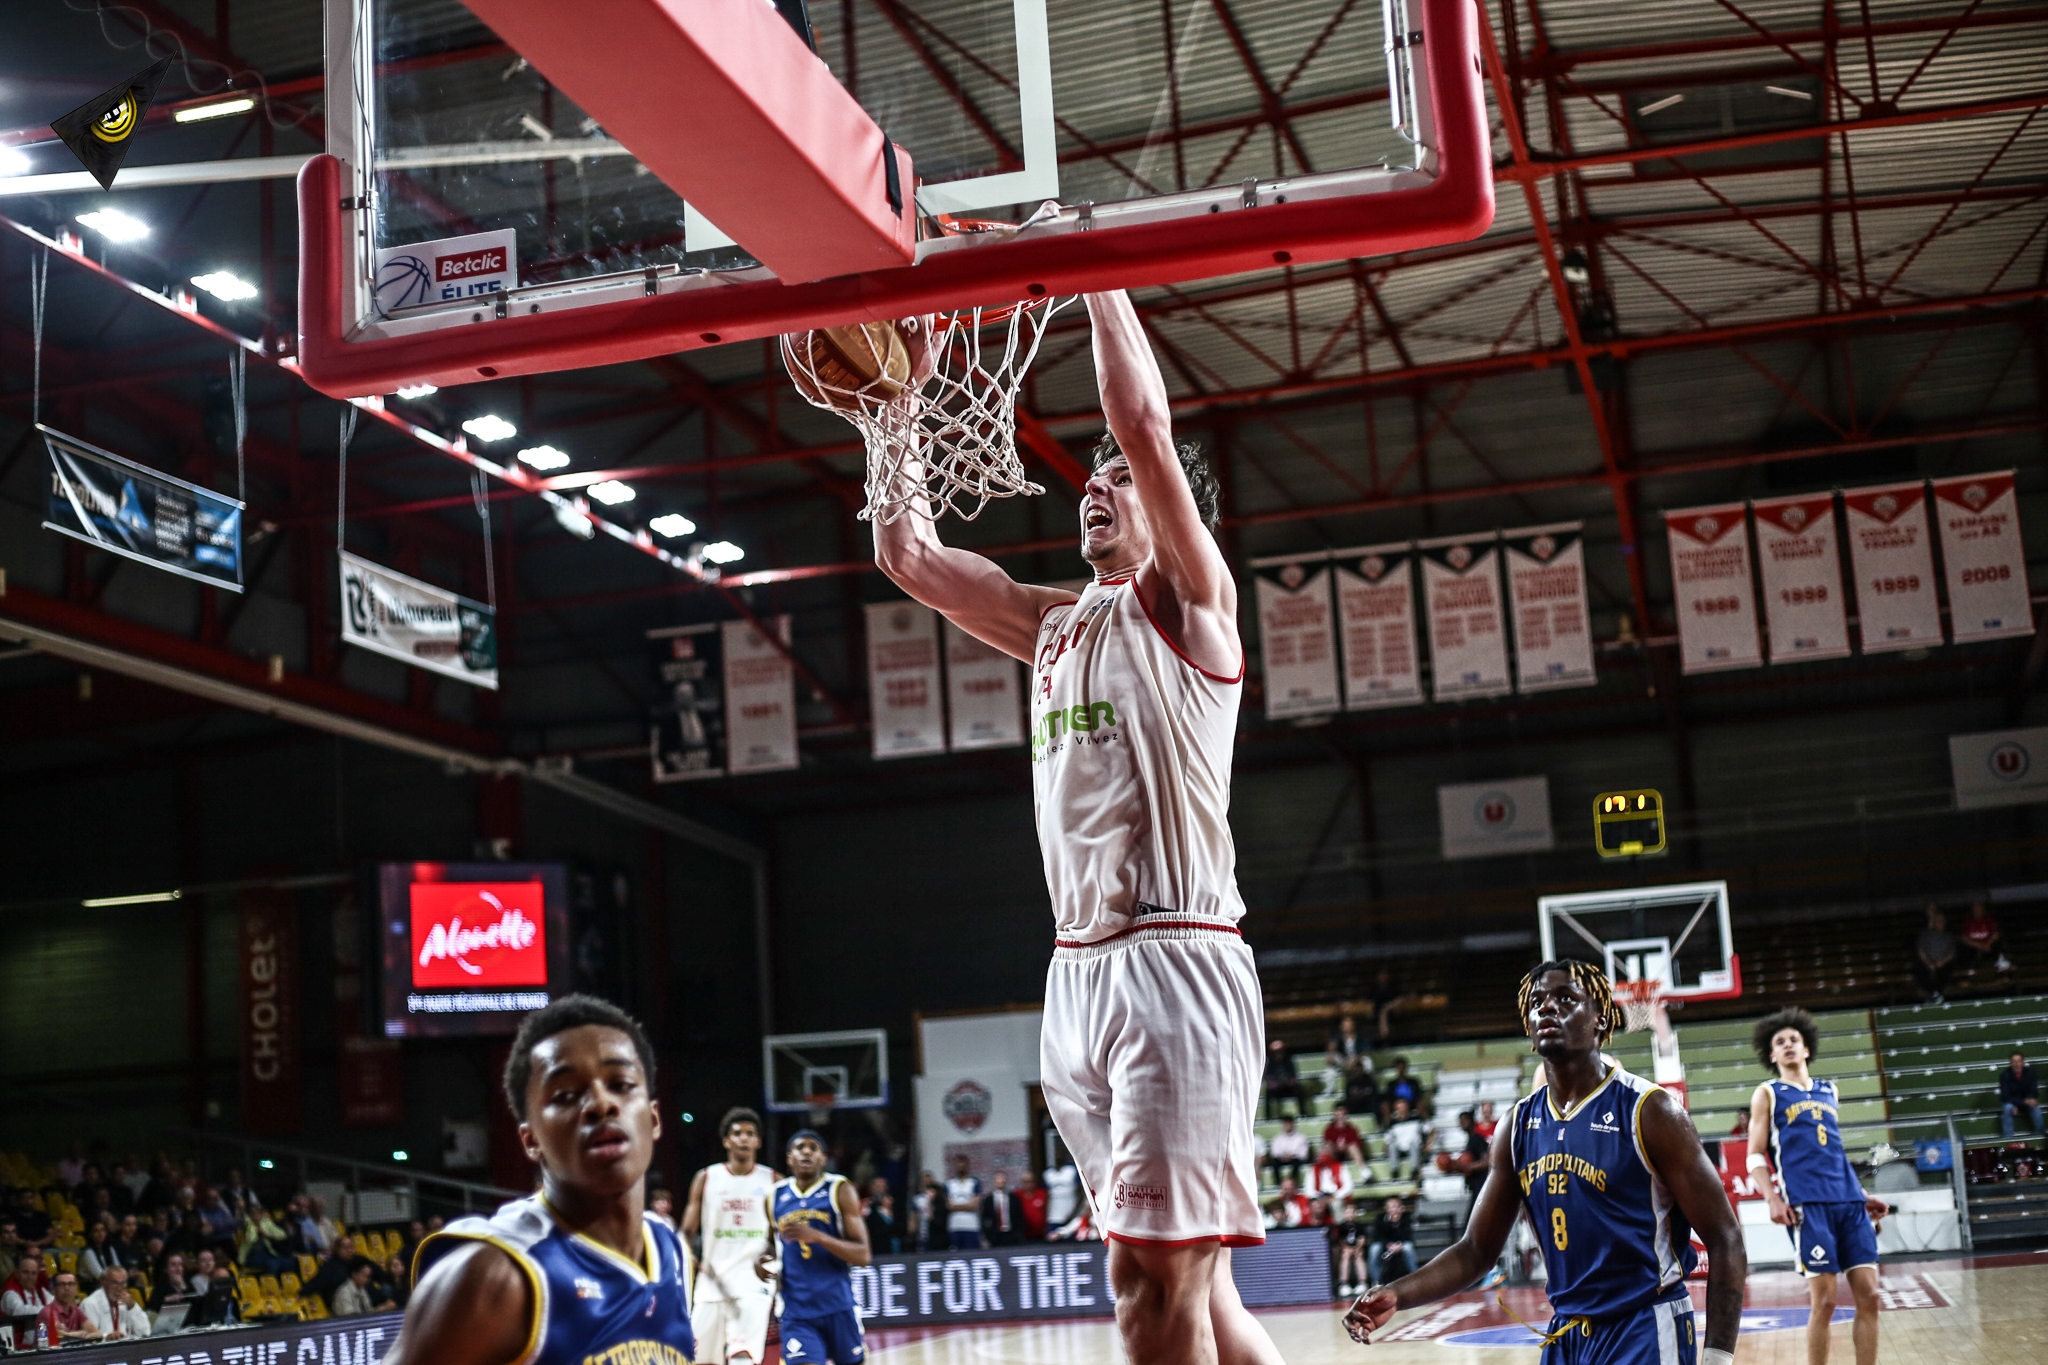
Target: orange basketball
x=1443, y=1161
x=834, y=367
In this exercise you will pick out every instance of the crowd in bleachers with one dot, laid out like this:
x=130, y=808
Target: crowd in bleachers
x=98, y=1248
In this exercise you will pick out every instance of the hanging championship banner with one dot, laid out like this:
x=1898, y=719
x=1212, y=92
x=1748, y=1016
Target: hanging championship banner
x=1468, y=648
x=417, y=622
x=1710, y=588
x=687, y=739
x=1297, y=639
x=1376, y=618
x=1547, y=593
x=1984, y=561
x=1805, y=613
x=130, y=510
x=1888, y=546
x=903, y=680
x=983, y=698
x=760, y=699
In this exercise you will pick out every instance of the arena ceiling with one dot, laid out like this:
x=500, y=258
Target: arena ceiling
x=1825, y=264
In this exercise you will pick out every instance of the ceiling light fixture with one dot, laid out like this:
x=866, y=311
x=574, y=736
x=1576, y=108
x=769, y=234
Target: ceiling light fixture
x=611, y=492
x=143, y=898
x=1659, y=106
x=1575, y=268
x=199, y=112
x=490, y=427
x=543, y=457
x=723, y=552
x=1790, y=93
x=671, y=525
x=418, y=391
x=225, y=286
x=13, y=161
x=115, y=225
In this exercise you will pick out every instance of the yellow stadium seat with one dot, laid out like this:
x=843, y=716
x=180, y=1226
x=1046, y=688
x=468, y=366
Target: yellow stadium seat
x=308, y=1267
x=289, y=1283
x=67, y=1261
x=270, y=1286
x=316, y=1308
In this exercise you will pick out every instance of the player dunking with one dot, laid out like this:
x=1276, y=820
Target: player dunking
x=1153, y=1040
x=581, y=1273
x=728, y=1209
x=1818, y=1196
x=1613, y=1175
x=822, y=1236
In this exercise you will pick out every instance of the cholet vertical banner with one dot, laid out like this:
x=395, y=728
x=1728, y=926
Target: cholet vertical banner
x=267, y=962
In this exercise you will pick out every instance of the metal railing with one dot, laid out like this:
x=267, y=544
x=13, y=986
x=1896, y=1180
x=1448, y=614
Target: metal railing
x=266, y=1163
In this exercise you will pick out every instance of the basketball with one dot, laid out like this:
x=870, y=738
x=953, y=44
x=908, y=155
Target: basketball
x=836, y=367
x=1443, y=1161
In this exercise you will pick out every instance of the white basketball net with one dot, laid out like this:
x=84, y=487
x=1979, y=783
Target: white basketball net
x=949, y=443
x=1638, y=1001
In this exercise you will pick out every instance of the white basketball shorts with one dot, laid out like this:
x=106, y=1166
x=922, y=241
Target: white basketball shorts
x=727, y=1328
x=1150, y=1061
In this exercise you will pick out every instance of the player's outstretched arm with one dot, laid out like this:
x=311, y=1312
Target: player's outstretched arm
x=473, y=1308
x=693, y=1214
x=1678, y=1159
x=966, y=588
x=1472, y=1255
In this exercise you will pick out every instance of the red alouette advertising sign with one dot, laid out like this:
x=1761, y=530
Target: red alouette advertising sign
x=478, y=934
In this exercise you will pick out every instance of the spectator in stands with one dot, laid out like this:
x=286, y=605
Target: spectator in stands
x=1288, y=1152
x=97, y=1257
x=156, y=1187
x=189, y=1237
x=71, y=1167
x=1401, y=1087
x=963, y=1205
x=662, y=1205
x=262, y=1243
x=120, y=1190
x=112, y=1309
x=1002, y=1217
x=169, y=1287
x=1341, y=1137
x=205, y=1271
x=1934, y=956
x=878, y=1211
x=233, y=1192
x=1290, y=1208
x=99, y=1207
x=1348, y=1242
x=220, y=1220
x=1393, y=1243
x=1407, y=1142
x=1486, y=1122
x=334, y=1271
x=397, y=1282
x=1983, y=940
x=1282, y=1081
x=1329, y=1177
x=10, y=1248
x=1346, y=1043
x=24, y=1294
x=1031, y=1195
x=352, y=1297
x=31, y=1222
x=62, y=1320
x=1062, y=1189
x=1361, y=1091
x=2019, y=1094
x=1471, y=1162
x=326, y=1232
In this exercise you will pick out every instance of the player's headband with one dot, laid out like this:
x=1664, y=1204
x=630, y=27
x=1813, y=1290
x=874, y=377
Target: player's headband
x=800, y=1134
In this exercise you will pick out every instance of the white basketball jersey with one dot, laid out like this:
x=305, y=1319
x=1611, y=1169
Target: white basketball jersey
x=1130, y=770
x=733, y=1221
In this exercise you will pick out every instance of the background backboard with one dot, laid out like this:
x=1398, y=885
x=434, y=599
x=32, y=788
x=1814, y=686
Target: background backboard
x=1677, y=935
x=851, y=1067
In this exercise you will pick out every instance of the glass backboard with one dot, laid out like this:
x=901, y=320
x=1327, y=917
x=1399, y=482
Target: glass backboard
x=1675, y=935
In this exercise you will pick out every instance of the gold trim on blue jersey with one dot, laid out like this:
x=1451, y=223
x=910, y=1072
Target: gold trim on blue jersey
x=1636, y=1121
x=1550, y=1095
x=537, y=1320
x=649, y=1272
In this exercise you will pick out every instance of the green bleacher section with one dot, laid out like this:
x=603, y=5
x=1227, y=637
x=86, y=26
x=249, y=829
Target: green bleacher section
x=1942, y=1061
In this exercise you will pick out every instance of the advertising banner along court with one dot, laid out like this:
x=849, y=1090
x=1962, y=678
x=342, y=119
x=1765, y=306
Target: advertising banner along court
x=1888, y=544
x=1800, y=559
x=1710, y=588
x=1297, y=635
x=1376, y=619
x=1468, y=649
x=903, y=679
x=130, y=510
x=1547, y=593
x=1983, y=559
x=416, y=622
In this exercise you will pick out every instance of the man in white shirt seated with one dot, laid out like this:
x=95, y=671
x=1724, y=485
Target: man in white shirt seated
x=112, y=1309
x=1407, y=1140
x=1288, y=1152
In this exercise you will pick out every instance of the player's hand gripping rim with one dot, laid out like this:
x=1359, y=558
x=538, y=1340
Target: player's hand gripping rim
x=1373, y=1311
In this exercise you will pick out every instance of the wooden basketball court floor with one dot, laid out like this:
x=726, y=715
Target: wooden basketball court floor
x=1989, y=1310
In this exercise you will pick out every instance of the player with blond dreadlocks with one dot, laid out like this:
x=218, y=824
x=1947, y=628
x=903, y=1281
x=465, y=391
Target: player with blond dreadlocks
x=1614, y=1179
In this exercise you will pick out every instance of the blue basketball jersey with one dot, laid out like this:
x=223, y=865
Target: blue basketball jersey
x=591, y=1306
x=1613, y=1237
x=1806, y=1140
x=815, y=1283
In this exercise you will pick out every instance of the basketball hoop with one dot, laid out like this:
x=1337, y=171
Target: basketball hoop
x=819, y=1109
x=1639, y=1001
x=948, y=440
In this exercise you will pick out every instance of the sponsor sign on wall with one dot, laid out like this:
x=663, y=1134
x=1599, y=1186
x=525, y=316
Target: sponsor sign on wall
x=1376, y=621
x=1546, y=568
x=760, y=699
x=447, y=269
x=1888, y=545
x=479, y=935
x=1800, y=561
x=1982, y=557
x=418, y=623
x=1297, y=636
x=1710, y=588
x=130, y=510
x=1999, y=768
x=687, y=738
x=983, y=696
x=273, y=1083
x=1481, y=819
x=909, y=708
x=1468, y=649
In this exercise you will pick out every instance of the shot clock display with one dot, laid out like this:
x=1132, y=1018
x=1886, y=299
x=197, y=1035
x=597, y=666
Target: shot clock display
x=1629, y=824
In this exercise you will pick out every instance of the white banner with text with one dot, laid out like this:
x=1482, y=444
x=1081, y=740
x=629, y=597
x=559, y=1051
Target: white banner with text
x=1983, y=558
x=1800, y=559
x=1547, y=598
x=1376, y=619
x=1297, y=635
x=1888, y=545
x=984, y=700
x=909, y=709
x=760, y=699
x=1468, y=648
x=1711, y=591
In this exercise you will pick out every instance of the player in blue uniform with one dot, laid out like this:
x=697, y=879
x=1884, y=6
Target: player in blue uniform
x=1818, y=1197
x=1613, y=1176
x=581, y=1273
x=816, y=1216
